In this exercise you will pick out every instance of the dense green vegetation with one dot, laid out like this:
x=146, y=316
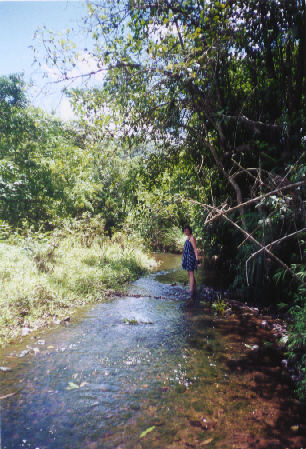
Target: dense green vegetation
x=200, y=118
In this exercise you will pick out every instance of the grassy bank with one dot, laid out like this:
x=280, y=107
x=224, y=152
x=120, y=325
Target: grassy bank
x=44, y=279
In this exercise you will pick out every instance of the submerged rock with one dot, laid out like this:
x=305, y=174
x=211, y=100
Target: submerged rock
x=5, y=368
x=284, y=363
x=24, y=352
x=264, y=324
x=25, y=331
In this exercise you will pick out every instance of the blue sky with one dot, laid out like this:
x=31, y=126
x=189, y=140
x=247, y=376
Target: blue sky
x=18, y=22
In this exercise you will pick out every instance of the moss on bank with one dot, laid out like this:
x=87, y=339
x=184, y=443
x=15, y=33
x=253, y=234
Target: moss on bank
x=45, y=279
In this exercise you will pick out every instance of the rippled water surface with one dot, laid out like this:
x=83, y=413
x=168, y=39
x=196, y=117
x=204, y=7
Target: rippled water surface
x=132, y=372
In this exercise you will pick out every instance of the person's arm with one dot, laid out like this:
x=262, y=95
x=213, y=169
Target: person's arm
x=194, y=244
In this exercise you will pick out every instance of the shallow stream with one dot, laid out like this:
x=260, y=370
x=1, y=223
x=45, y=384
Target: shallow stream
x=131, y=372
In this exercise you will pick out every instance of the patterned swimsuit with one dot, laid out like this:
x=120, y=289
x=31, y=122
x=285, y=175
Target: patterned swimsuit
x=189, y=261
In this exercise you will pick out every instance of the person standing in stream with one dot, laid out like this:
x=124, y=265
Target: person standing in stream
x=190, y=258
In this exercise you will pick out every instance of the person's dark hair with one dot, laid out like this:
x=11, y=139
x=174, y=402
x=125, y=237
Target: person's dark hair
x=187, y=227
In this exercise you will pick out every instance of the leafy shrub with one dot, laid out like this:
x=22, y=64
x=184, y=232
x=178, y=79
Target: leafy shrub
x=296, y=344
x=219, y=305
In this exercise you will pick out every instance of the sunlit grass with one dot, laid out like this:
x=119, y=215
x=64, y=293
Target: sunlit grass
x=44, y=281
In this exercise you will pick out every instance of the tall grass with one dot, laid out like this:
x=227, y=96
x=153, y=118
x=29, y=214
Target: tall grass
x=45, y=279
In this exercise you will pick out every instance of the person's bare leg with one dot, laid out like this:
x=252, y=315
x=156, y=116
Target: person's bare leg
x=191, y=281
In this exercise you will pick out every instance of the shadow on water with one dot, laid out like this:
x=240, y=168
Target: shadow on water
x=140, y=372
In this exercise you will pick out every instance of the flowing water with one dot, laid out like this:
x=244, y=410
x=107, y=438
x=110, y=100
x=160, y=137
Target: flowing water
x=131, y=372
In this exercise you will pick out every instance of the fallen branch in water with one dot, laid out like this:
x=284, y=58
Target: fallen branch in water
x=8, y=395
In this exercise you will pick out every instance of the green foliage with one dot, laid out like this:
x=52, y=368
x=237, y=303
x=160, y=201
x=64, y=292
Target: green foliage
x=219, y=306
x=296, y=342
x=131, y=322
x=12, y=91
x=156, y=217
x=145, y=432
x=50, y=171
x=42, y=173
x=153, y=217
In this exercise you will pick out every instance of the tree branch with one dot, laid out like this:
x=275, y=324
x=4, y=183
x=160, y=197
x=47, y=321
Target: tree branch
x=256, y=125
